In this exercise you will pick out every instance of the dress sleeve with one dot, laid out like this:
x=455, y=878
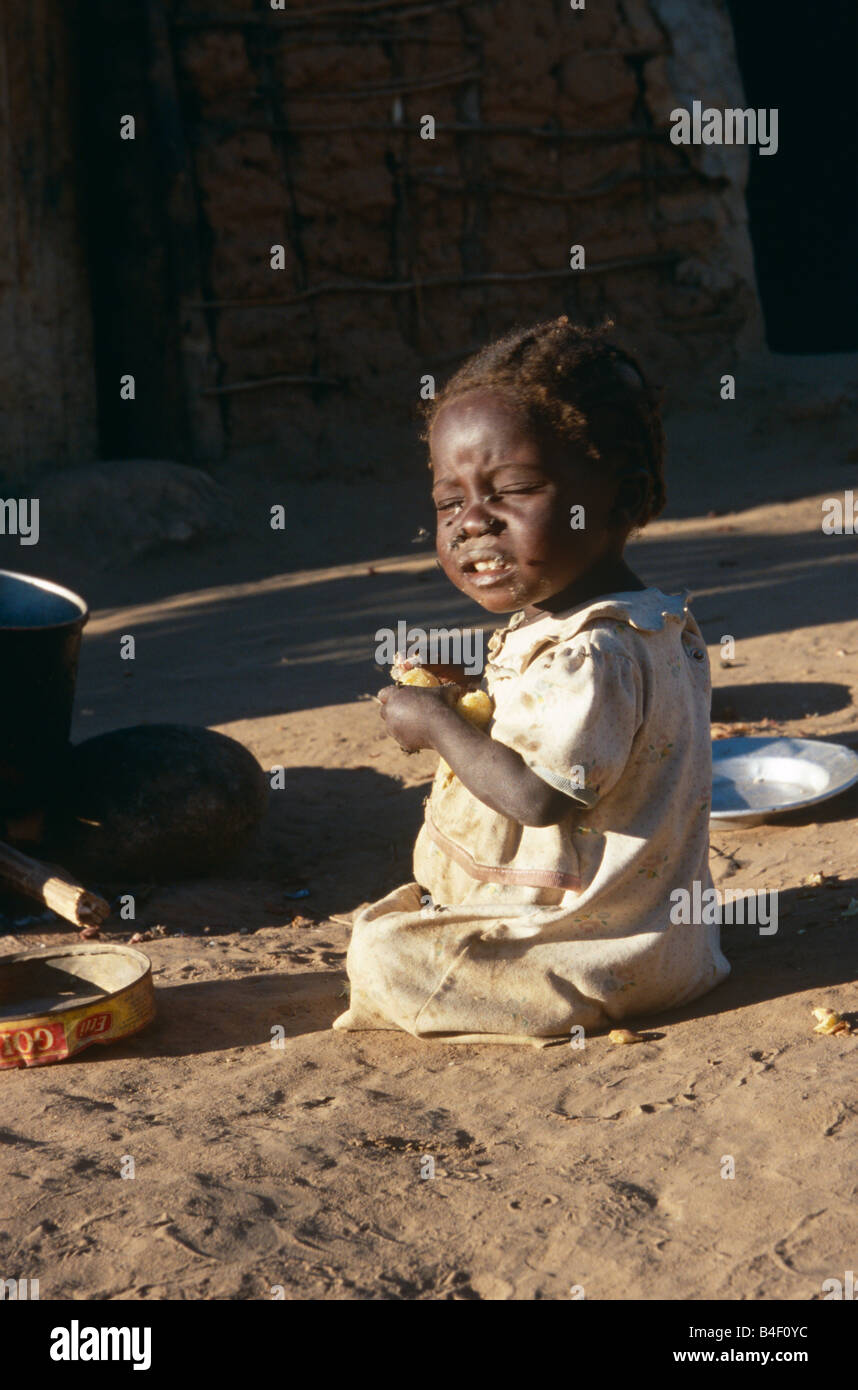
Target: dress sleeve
x=579, y=705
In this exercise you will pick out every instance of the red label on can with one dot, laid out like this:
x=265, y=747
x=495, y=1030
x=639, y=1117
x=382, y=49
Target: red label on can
x=95, y=1023
x=28, y=1046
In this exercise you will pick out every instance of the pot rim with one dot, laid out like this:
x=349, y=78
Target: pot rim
x=53, y=588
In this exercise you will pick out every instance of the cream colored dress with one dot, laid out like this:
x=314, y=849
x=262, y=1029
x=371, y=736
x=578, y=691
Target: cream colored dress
x=522, y=932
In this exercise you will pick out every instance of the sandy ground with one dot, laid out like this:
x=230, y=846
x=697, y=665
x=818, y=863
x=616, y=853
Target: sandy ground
x=301, y=1167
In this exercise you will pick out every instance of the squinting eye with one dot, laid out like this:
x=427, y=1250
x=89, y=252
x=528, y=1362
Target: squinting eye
x=512, y=491
x=447, y=506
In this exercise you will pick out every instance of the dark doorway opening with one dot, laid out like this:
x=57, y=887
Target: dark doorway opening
x=803, y=201
x=134, y=315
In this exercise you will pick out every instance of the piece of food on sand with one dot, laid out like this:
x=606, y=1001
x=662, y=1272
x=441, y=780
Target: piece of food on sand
x=475, y=705
x=831, y=1022
x=154, y=802
x=622, y=1036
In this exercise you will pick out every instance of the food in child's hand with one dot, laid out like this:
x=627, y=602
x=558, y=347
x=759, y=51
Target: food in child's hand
x=475, y=705
x=413, y=676
x=830, y=1022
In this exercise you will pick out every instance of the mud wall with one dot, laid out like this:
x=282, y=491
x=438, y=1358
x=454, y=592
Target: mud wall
x=403, y=253
x=301, y=128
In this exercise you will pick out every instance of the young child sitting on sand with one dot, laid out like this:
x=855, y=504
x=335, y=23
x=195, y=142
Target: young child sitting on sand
x=546, y=861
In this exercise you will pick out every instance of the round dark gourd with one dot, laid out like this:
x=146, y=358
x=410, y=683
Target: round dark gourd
x=156, y=801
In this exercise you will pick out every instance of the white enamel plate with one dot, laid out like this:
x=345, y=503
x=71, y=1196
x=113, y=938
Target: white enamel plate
x=756, y=778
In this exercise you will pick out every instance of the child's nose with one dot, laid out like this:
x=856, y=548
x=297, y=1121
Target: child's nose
x=477, y=518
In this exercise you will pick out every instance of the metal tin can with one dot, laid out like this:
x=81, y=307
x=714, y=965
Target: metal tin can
x=35, y=1031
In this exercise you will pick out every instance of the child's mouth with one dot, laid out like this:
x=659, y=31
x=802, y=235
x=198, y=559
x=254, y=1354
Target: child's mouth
x=484, y=570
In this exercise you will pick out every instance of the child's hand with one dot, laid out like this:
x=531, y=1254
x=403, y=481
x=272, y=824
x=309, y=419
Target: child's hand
x=410, y=712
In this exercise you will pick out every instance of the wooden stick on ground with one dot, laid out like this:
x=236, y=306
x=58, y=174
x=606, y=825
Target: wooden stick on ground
x=51, y=887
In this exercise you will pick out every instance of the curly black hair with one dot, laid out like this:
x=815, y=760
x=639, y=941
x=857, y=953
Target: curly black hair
x=581, y=387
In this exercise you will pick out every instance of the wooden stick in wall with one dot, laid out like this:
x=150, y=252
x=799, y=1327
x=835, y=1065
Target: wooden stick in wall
x=437, y=281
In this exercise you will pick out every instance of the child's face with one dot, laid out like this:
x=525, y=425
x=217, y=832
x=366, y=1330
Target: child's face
x=503, y=496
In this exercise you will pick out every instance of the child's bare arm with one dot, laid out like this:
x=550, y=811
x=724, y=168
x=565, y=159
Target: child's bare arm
x=496, y=774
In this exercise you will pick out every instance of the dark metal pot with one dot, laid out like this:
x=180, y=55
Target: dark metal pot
x=40, y=633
